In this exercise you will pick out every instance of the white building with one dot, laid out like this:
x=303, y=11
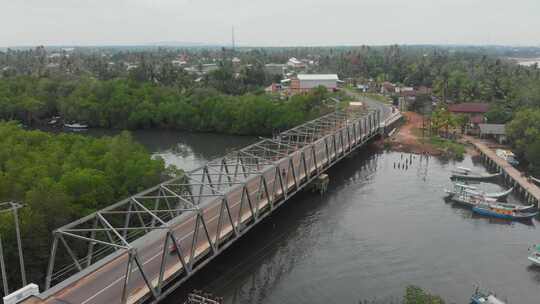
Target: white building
x=306, y=82
x=295, y=63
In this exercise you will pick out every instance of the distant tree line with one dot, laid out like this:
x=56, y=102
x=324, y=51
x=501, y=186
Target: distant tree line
x=125, y=104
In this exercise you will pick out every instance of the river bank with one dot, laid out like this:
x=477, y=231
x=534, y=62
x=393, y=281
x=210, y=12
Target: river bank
x=410, y=139
x=377, y=229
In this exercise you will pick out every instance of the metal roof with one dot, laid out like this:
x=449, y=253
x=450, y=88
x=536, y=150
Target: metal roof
x=495, y=129
x=318, y=77
x=469, y=107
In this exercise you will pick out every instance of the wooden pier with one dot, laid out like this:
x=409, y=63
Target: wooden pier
x=527, y=189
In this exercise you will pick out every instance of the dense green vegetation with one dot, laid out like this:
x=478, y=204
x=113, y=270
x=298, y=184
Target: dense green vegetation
x=450, y=148
x=413, y=295
x=524, y=132
x=416, y=295
x=60, y=178
x=125, y=104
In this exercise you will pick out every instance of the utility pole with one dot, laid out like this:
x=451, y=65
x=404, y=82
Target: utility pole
x=3, y=269
x=19, y=242
x=233, y=40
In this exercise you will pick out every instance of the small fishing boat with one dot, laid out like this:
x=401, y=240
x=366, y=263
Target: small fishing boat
x=485, y=298
x=493, y=210
x=474, y=176
x=76, y=126
x=462, y=170
x=498, y=195
x=534, y=255
x=466, y=196
x=458, y=188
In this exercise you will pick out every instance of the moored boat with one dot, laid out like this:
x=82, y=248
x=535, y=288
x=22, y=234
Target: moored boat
x=485, y=298
x=76, y=126
x=462, y=170
x=474, y=176
x=492, y=210
x=534, y=255
x=466, y=196
x=458, y=188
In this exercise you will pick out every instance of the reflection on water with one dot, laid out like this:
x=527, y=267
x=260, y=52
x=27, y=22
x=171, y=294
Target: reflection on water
x=376, y=230
x=382, y=225
x=185, y=150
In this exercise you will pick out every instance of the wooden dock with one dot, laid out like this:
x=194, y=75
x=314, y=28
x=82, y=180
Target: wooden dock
x=527, y=189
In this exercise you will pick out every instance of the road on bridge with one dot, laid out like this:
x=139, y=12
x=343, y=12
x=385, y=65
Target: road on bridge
x=372, y=104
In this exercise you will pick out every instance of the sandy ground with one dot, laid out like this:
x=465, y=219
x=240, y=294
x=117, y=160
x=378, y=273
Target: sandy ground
x=405, y=140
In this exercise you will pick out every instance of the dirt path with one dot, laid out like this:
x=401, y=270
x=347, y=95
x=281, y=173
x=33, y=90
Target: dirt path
x=407, y=140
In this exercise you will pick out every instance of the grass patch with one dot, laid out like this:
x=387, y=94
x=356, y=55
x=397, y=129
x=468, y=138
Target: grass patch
x=378, y=97
x=450, y=148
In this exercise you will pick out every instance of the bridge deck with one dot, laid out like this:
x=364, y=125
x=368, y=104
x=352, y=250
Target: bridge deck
x=122, y=253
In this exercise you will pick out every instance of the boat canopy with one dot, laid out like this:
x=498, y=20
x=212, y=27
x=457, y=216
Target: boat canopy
x=493, y=300
x=465, y=186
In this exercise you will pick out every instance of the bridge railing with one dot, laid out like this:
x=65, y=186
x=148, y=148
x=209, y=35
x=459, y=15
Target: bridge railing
x=198, y=215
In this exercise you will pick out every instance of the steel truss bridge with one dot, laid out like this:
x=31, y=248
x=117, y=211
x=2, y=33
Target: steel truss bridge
x=144, y=247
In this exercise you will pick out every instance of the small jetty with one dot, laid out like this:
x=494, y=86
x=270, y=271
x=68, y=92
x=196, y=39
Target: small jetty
x=512, y=176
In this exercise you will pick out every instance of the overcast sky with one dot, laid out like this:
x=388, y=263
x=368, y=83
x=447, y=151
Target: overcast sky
x=269, y=22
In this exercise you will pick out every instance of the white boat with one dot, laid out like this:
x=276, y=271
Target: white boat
x=507, y=156
x=459, y=188
x=485, y=298
x=76, y=126
x=462, y=170
x=534, y=255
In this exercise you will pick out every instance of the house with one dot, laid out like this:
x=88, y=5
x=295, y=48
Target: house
x=474, y=110
x=275, y=68
x=236, y=61
x=202, y=69
x=388, y=88
x=362, y=87
x=403, y=89
x=295, y=63
x=178, y=63
x=495, y=131
x=423, y=90
x=273, y=88
x=305, y=82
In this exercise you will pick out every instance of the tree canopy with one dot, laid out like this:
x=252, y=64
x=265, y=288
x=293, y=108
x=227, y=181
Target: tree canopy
x=60, y=178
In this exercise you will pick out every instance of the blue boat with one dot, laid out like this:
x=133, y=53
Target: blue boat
x=493, y=210
x=483, y=298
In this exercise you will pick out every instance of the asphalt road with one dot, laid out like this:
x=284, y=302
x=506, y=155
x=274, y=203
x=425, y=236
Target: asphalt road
x=372, y=104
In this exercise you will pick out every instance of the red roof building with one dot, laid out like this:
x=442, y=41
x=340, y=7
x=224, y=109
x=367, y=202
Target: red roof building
x=469, y=108
x=477, y=119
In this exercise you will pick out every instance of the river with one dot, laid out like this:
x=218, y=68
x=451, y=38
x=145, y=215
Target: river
x=376, y=230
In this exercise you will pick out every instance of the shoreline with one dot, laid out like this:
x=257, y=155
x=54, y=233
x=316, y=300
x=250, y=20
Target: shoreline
x=407, y=139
